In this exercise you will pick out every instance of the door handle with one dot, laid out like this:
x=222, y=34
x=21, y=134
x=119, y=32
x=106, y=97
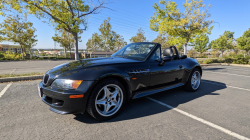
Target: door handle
x=180, y=66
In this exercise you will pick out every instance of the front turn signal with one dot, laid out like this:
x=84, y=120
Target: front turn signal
x=76, y=83
x=76, y=96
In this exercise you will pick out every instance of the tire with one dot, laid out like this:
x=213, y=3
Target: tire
x=103, y=106
x=193, y=87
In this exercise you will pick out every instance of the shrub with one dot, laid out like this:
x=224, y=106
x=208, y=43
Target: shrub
x=200, y=61
x=228, y=60
x=208, y=61
x=240, y=61
x=1, y=55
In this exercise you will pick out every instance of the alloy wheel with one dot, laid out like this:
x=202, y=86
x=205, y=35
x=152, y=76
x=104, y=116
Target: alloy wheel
x=109, y=100
x=196, y=79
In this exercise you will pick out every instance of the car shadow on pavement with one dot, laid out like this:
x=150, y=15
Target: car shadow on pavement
x=143, y=107
x=213, y=69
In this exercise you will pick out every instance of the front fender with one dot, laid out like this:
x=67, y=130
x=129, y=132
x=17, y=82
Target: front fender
x=189, y=65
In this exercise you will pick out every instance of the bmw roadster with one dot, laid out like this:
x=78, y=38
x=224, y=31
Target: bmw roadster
x=102, y=86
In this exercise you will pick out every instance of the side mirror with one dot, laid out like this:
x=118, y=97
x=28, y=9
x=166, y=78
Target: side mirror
x=167, y=58
x=183, y=57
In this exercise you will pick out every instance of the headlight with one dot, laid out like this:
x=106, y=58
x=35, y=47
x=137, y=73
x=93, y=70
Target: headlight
x=66, y=84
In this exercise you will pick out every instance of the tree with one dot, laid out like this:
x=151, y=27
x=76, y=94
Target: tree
x=223, y=43
x=244, y=42
x=94, y=43
x=235, y=47
x=19, y=31
x=65, y=39
x=178, y=42
x=119, y=43
x=30, y=44
x=200, y=43
x=69, y=15
x=105, y=29
x=181, y=25
x=140, y=37
x=163, y=40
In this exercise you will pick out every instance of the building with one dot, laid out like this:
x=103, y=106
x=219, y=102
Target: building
x=10, y=48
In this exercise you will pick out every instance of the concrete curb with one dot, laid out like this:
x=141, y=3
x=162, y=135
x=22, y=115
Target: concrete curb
x=238, y=65
x=12, y=79
x=225, y=64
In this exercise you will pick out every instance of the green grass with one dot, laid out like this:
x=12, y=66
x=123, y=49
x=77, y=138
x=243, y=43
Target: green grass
x=20, y=75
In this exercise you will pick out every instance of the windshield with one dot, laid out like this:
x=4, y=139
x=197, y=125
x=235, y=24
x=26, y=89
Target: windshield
x=135, y=51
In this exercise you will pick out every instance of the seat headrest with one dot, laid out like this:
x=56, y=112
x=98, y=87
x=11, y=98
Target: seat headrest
x=167, y=52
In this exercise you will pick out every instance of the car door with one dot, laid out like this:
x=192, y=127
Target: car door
x=139, y=76
x=164, y=75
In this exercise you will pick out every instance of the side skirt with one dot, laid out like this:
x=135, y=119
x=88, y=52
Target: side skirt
x=156, y=91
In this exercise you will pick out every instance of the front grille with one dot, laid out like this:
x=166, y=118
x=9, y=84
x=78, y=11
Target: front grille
x=45, y=78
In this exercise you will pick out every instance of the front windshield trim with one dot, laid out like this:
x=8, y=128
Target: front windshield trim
x=137, y=58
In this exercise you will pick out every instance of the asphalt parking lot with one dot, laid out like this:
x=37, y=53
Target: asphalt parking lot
x=220, y=109
x=22, y=67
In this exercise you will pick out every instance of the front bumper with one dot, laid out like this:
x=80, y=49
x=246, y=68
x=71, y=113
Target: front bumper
x=59, y=100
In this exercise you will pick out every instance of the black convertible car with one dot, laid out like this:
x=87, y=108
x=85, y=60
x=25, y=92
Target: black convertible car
x=102, y=86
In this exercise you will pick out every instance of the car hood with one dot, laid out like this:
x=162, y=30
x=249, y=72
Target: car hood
x=84, y=63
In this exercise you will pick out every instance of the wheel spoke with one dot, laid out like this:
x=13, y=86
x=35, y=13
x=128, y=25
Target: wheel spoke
x=106, y=108
x=107, y=93
x=113, y=103
x=101, y=102
x=115, y=93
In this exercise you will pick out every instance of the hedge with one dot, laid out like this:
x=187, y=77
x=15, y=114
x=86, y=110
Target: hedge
x=226, y=60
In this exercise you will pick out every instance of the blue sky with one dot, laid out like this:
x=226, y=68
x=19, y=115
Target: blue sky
x=127, y=16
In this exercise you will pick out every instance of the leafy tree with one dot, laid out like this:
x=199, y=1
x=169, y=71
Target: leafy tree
x=19, y=31
x=68, y=15
x=163, y=40
x=111, y=40
x=119, y=43
x=244, y=42
x=106, y=32
x=94, y=43
x=223, y=43
x=4, y=8
x=30, y=44
x=235, y=48
x=181, y=25
x=140, y=37
x=201, y=43
x=178, y=42
x=65, y=39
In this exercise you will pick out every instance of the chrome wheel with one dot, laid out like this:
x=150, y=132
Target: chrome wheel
x=195, y=80
x=109, y=100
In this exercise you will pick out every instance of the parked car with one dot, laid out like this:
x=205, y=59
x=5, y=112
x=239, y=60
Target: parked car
x=102, y=86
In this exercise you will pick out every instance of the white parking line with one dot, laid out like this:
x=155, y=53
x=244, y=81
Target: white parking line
x=13, y=71
x=228, y=73
x=226, y=85
x=5, y=89
x=231, y=133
